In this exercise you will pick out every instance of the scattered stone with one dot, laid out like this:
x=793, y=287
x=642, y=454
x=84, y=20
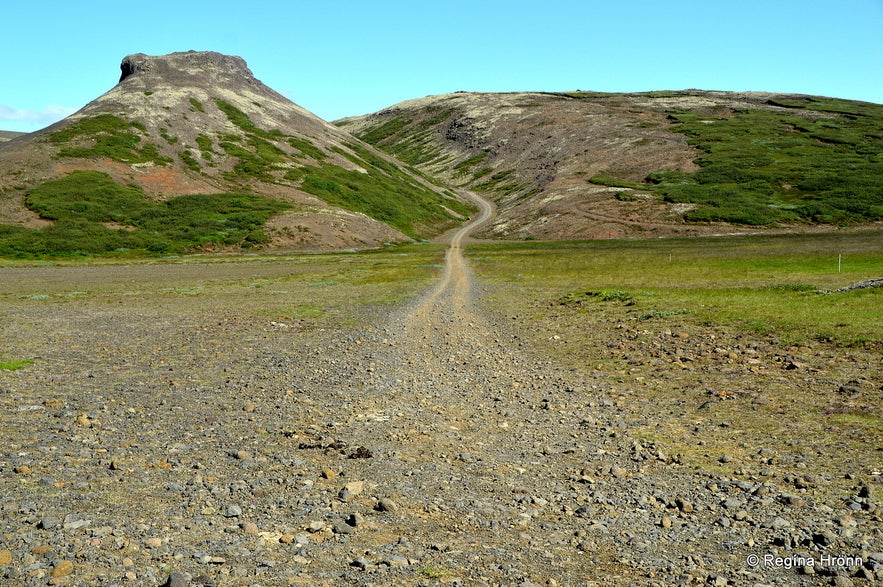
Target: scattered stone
x=62, y=569
x=684, y=505
x=361, y=453
x=49, y=523
x=177, y=579
x=360, y=562
x=351, y=490
x=387, y=505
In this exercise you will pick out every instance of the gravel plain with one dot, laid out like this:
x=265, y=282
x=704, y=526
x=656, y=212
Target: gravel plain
x=184, y=442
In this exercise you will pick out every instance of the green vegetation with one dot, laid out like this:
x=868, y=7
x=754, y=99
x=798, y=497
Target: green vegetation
x=768, y=284
x=95, y=216
x=463, y=167
x=307, y=148
x=385, y=192
x=760, y=167
x=111, y=137
x=15, y=365
x=205, y=147
x=408, y=139
x=190, y=161
x=164, y=133
x=197, y=105
x=241, y=120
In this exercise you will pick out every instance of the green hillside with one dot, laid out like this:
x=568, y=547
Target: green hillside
x=824, y=164
x=93, y=215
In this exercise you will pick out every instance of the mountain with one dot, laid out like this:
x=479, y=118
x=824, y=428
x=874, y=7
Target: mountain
x=595, y=165
x=189, y=151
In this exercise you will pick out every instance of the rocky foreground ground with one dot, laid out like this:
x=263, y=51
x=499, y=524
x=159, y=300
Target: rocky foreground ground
x=150, y=446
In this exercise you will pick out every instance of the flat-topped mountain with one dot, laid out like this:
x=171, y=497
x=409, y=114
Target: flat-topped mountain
x=200, y=124
x=593, y=165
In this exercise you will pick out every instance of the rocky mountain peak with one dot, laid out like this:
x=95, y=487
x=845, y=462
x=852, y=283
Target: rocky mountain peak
x=189, y=67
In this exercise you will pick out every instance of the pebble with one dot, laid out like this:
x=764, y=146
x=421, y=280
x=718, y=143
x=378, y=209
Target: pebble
x=5, y=558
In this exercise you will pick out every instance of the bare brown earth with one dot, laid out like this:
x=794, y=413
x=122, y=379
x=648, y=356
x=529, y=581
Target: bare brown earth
x=174, y=429
x=553, y=143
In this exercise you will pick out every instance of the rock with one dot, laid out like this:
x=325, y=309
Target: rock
x=842, y=581
x=387, y=505
x=48, y=523
x=733, y=503
x=684, y=505
x=395, y=560
x=360, y=562
x=233, y=511
x=153, y=542
x=249, y=528
x=5, y=558
x=177, y=579
x=62, y=569
x=779, y=523
x=351, y=490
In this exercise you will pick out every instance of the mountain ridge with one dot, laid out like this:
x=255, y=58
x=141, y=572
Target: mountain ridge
x=576, y=165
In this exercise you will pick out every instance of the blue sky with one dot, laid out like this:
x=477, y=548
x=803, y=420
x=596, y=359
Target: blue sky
x=340, y=57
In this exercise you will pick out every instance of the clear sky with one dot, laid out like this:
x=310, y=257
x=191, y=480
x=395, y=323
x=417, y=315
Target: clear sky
x=346, y=57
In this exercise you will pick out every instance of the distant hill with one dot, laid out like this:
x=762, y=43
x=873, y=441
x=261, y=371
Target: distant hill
x=8, y=135
x=190, y=152
x=595, y=165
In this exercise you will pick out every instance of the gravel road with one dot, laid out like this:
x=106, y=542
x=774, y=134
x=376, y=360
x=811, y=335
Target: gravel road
x=193, y=447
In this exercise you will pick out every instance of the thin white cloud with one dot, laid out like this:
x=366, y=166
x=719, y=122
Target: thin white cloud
x=48, y=115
